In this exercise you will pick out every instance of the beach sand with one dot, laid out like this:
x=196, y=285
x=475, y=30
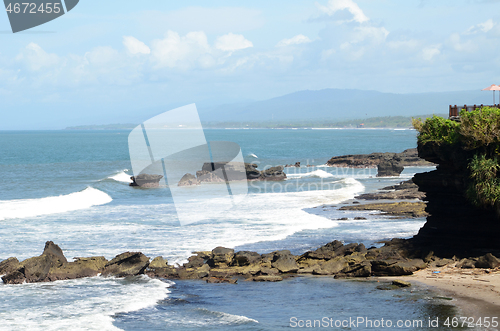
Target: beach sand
x=476, y=292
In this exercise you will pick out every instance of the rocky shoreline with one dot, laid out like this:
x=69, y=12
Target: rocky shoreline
x=397, y=257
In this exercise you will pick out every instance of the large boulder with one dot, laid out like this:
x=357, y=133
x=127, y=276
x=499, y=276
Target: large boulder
x=284, y=261
x=126, y=264
x=244, y=258
x=389, y=168
x=82, y=267
x=188, y=180
x=146, y=180
x=9, y=265
x=488, y=261
x=36, y=269
x=221, y=257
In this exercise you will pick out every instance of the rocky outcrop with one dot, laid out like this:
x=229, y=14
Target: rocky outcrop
x=403, y=191
x=408, y=157
x=146, y=181
x=392, y=167
x=454, y=226
x=296, y=165
x=397, y=209
x=188, y=180
x=220, y=172
x=52, y=265
x=36, y=269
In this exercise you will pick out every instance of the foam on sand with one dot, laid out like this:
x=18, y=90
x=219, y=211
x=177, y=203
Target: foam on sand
x=53, y=205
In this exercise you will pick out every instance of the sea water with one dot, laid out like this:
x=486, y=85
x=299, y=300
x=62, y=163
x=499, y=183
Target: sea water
x=72, y=187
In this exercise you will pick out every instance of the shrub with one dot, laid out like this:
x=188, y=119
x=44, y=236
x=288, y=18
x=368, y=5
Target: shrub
x=437, y=129
x=484, y=189
x=480, y=127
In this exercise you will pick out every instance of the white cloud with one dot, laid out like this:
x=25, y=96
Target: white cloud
x=428, y=53
x=135, y=46
x=298, y=39
x=334, y=6
x=481, y=27
x=181, y=52
x=35, y=58
x=232, y=42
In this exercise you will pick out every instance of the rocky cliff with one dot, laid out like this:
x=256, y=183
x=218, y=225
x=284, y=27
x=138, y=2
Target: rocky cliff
x=455, y=226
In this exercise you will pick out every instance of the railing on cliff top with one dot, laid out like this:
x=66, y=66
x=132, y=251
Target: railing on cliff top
x=455, y=110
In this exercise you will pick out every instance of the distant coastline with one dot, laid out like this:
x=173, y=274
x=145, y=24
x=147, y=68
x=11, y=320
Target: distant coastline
x=381, y=122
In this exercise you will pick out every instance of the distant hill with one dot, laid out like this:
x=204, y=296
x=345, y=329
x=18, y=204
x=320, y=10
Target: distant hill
x=338, y=104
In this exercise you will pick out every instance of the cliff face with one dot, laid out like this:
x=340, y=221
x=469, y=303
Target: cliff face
x=455, y=226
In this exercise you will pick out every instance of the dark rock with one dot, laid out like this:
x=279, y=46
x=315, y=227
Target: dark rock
x=403, y=209
x=223, y=272
x=82, y=267
x=487, y=261
x=245, y=258
x=146, y=180
x=331, y=267
x=267, y=278
x=158, y=262
x=343, y=219
x=194, y=262
x=126, y=264
x=221, y=257
x=284, y=261
x=217, y=280
x=397, y=268
x=36, y=269
x=296, y=165
x=389, y=168
x=188, y=180
x=358, y=218
x=195, y=273
x=401, y=283
x=9, y=265
x=408, y=157
x=273, y=174
x=268, y=271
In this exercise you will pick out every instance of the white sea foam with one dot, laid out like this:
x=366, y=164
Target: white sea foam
x=82, y=304
x=316, y=173
x=253, y=155
x=53, y=205
x=121, y=177
x=225, y=318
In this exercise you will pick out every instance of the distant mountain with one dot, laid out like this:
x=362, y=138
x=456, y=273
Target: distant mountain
x=338, y=104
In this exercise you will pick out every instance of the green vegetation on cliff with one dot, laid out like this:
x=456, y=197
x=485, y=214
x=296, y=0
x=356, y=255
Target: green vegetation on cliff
x=477, y=133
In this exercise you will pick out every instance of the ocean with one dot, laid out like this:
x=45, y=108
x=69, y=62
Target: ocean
x=72, y=187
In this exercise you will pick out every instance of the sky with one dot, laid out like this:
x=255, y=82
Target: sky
x=124, y=61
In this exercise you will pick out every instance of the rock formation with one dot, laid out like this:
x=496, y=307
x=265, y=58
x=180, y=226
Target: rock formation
x=146, y=181
x=455, y=226
x=408, y=157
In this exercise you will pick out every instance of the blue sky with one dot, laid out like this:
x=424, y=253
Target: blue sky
x=122, y=61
